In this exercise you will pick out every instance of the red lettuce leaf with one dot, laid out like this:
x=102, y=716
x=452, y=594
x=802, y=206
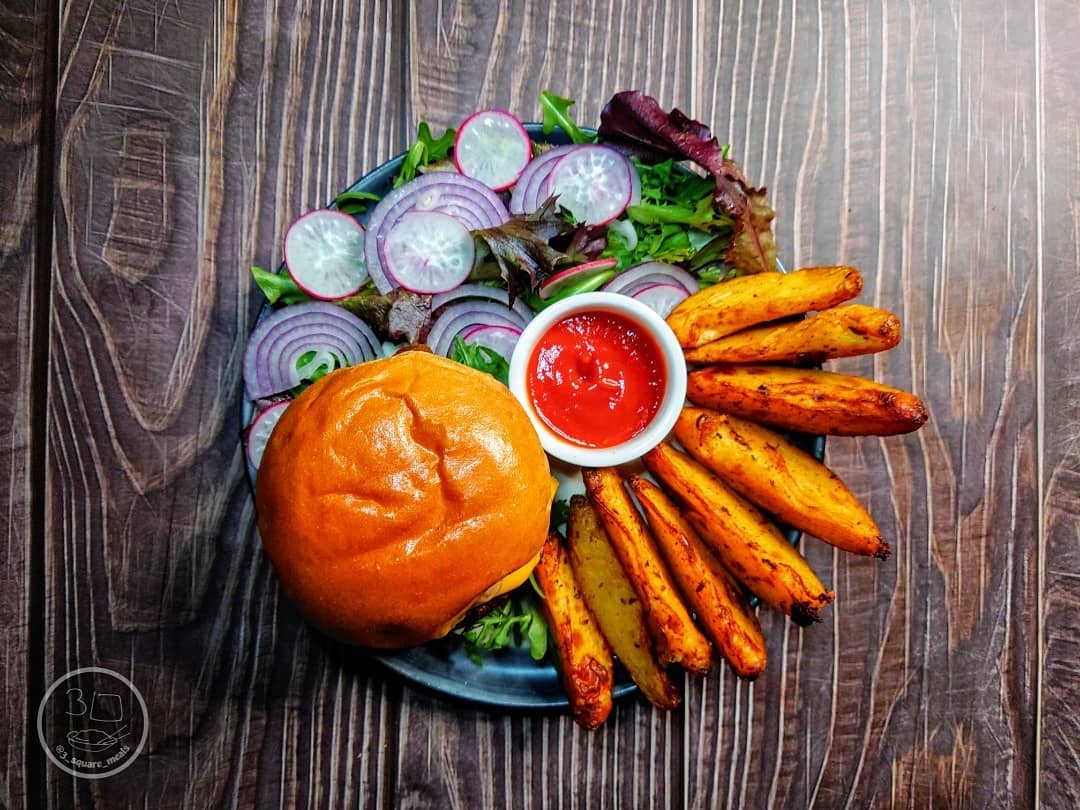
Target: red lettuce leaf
x=640, y=125
x=522, y=247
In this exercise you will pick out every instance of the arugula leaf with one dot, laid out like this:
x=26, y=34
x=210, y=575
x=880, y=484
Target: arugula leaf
x=354, y=202
x=481, y=358
x=560, y=513
x=426, y=149
x=515, y=621
x=278, y=287
x=557, y=114
x=716, y=273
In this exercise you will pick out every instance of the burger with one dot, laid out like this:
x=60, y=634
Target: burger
x=396, y=495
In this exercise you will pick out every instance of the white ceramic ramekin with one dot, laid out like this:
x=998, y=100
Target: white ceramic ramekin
x=674, y=374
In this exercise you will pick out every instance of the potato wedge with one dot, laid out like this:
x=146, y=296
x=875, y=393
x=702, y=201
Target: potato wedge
x=836, y=332
x=806, y=400
x=784, y=480
x=748, y=544
x=719, y=601
x=730, y=306
x=677, y=639
x=618, y=610
x=584, y=655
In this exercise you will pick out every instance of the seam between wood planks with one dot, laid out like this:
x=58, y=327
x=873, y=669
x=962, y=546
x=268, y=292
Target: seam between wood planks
x=1040, y=411
x=41, y=308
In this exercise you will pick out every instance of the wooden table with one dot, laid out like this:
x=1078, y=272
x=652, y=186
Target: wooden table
x=152, y=151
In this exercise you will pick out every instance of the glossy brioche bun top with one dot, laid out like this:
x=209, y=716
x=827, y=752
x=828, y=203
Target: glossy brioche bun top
x=396, y=494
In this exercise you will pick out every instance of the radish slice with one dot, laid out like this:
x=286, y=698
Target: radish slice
x=493, y=147
x=428, y=252
x=467, y=200
x=594, y=183
x=500, y=339
x=526, y=196
x=258, y=432
x=661, y=298
x=324, y=252
x=561, y=282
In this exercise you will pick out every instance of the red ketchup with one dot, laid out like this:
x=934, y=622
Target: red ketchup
x=596, y=379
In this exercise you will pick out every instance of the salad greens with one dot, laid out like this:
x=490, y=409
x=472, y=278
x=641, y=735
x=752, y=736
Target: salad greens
x=515, y=621
x=675, y=220
x=636, y=122
x=355, y=202
x=560, y=513
x=426, y=149
x=481, y=358
x=557, y=114
x=278, y=288
x=522, y=247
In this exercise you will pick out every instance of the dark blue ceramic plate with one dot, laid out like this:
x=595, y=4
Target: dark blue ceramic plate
x=509, y=678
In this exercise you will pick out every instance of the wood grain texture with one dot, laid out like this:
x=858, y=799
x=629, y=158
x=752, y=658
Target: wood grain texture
x=892, y=140
x=934, y=146
x=1057, y=223
x=23, y=102
x=189, y=136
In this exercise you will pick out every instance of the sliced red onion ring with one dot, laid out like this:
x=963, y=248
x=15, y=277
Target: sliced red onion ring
x=661, y=298
x=481, y=291
x=458, y=317
x=500, y=339
x=651, y=273
x=285, y=335
x=528, y=194
x=258, y=432
x=467, y=200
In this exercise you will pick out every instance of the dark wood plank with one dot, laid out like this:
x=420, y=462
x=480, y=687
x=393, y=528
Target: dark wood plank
x=899, y=139
x=1057, y=221
x=190, y=135
x=24, y=30
x=467, y=56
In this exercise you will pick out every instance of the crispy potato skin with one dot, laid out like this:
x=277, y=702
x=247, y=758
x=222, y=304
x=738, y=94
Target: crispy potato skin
x=616, y=606
x=730, y=306
x=677, y=639
x=718, y=600
x=584, y=655
x=772, y=472
x=747, y=543
x=806, y=400
x=845, y=331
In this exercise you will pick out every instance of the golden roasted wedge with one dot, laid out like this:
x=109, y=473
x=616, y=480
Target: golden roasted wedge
x=806, y=400
x=730, y=306
x=615, y=604
x=748, y=544
x=844, y=331
x=677, y=639
x=719, y=602
x=584, y=655
x=784, y=480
